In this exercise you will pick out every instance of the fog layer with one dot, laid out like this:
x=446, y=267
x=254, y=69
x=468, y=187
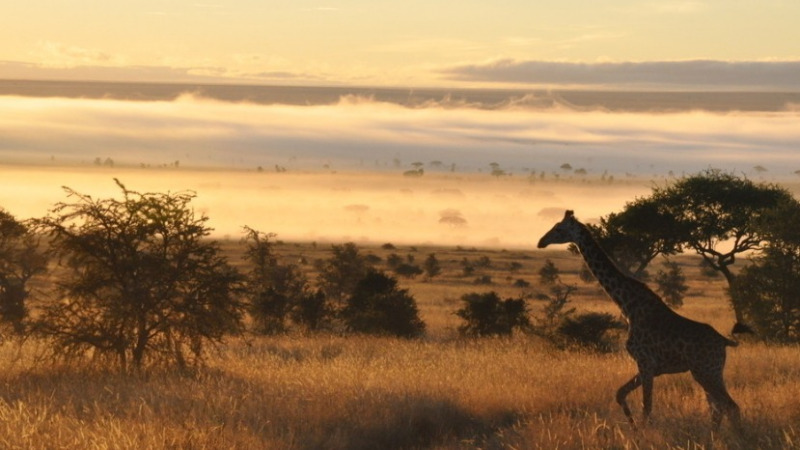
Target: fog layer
x=359, y=133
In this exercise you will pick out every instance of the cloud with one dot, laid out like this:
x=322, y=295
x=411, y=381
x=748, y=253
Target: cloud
x=17, y=70
x=358, y=133
x=59, y=55
x=693, y=74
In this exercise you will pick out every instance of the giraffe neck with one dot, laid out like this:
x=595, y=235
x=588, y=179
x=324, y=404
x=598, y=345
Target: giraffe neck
x=631, y=295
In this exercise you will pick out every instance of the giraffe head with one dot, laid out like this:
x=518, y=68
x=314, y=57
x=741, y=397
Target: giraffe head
x=562, y=233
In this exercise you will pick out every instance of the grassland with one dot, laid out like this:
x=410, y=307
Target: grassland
x=340, y=392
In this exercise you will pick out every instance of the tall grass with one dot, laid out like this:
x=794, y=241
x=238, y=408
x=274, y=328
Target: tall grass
x=367, y=392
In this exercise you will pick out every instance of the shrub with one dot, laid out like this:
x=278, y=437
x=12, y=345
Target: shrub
x=549, y=273
x=312, y=311
x=339, y=274
x=487, y=315
x=432, y=267
x=521, y=283
x=483, y=279
x=20, y=260
x=555, y=309
x=408, y=270
x=767, y=292
x=394, y=260
x=672, y=284
x=591, y=330
x=467, y=268
x=273, y=289
x=378, y=306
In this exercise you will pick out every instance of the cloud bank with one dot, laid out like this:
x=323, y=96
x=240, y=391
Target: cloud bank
x=694, y=74
x=359, y=133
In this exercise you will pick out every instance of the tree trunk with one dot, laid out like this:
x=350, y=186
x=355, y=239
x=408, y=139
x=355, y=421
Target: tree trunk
x=730, y=278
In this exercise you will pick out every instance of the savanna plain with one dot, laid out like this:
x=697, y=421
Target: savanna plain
x=325, y=390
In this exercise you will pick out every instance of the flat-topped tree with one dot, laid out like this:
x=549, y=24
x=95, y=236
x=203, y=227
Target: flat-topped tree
x=714, y=213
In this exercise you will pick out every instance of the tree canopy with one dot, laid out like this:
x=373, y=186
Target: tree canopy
x=714, y=213
x=142, y=282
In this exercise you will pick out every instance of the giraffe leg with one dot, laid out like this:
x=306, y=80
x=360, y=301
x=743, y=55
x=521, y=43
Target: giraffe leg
x=623, y=392
x=647, y=395
x=719, y=400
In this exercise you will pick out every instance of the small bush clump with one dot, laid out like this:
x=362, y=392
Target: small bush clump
x=488, y=315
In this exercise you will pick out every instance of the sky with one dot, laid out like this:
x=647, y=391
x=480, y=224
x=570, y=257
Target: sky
x=684, y=44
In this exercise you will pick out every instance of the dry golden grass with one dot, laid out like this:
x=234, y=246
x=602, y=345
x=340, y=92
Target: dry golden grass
x=305, y=392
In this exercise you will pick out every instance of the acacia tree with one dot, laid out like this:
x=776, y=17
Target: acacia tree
x=712, y=213
x=717, y=214
x=274, y=289
x=20, y=260
x=639, y=233
x=142, y=282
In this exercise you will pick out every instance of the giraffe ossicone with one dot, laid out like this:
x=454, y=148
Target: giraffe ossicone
x=660, y=340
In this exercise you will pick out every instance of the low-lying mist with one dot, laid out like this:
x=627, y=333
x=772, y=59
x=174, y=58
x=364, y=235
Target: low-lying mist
x=362, y=134
x=474, y=210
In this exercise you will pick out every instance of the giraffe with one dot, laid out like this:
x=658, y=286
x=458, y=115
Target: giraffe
x=660, y=340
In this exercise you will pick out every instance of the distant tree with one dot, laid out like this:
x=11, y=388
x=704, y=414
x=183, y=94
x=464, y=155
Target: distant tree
x=484, y=262
x=21, y=259
x=394, y=260
x=378, y=306
x=549, y=273
x=555, y=311
x=483, y=279
x=273, y=289
x=488, y=315
x=672, y=284
x=142, y=282
x=590, y=330
x=566, y=167
x=408, y=270
x=339, y=274
x=521, y=283
x=766, y=291
x=312, y=311
x=498, y=172
x=467, y=267
x=453, y=221
x=432, y=266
